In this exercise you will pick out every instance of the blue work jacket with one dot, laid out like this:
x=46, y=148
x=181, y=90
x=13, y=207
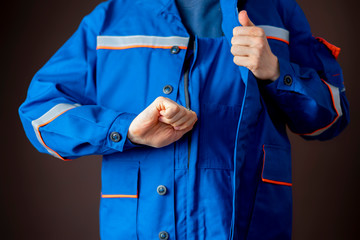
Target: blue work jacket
x=230, y=177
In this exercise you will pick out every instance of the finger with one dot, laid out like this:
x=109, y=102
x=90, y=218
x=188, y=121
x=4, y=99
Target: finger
x=170, y=110
x=188, y=124
x=242, y=50
x=166, y=107
x=244, y=61
x=188, y=117
x=241, y=40
x=244, y=19
x=186, y=127
x=249, y=31
x=174, y=118
x=182, y=131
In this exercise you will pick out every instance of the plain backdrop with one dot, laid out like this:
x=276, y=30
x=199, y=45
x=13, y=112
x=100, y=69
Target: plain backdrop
x=45, y=198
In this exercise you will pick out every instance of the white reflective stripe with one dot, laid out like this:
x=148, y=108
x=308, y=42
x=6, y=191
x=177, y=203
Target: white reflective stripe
x=335, y=94
x=119, y=42
x=276, y=32
x=48, y=117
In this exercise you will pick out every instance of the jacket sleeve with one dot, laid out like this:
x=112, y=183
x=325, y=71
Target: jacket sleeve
x=310, y=91
x=60, y=115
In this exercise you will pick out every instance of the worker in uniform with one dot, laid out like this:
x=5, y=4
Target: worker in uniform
x=188, y=102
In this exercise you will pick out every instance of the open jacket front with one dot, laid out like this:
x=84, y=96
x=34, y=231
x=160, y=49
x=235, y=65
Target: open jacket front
x=230, y=178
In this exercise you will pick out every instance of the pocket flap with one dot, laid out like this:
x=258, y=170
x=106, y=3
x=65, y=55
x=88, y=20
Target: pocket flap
x=276, y=165
x=120, y=180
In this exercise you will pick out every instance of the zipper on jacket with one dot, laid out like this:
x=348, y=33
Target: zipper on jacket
x=187, y=65
x=188, y=62
x=187, y=102
x=186, y=87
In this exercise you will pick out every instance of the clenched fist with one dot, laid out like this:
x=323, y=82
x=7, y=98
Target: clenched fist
x=161, y=123
x=251, y=49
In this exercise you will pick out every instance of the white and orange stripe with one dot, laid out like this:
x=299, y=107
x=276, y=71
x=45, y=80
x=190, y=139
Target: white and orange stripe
x=276, y=33
x=140, y=41
x=48, y=117
x=335, y=97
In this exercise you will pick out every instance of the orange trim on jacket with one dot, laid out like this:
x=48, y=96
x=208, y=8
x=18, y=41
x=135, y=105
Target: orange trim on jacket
x=42, y=140
x=268, y=180
x=118, y=196
x=137, y=46
x=280, y=39
x=334, y=106
x=335, y=51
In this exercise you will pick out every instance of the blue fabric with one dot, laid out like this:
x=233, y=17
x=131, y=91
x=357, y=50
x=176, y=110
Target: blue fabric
x=214, y=159
x=219, y=192
x=201, y=17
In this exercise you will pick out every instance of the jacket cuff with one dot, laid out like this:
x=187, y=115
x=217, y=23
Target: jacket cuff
x=117, y=134
x=286, y=80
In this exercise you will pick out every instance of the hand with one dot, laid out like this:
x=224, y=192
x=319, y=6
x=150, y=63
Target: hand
x=251, y=49
x=161, y=123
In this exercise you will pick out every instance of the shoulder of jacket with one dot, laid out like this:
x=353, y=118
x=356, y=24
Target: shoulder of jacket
x=286, y=9
x=99, y=15
x=289, y=4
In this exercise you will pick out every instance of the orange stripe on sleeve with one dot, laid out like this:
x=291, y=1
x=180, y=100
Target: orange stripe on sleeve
x=42, y=140
x=280, y=39
x=334, y=106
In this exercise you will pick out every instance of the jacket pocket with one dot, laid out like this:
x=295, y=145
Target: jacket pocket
x=119, y=200
x=272, y=211
x=276, y=165
x=218, y=125
x=132, y=71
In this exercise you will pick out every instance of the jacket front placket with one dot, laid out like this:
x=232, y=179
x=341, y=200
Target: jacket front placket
x=248, y=118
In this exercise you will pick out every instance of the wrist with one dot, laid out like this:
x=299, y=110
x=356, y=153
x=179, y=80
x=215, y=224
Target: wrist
x=276, y=70
x=131, y=136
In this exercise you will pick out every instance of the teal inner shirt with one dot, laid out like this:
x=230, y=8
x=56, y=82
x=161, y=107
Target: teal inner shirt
x=201, y=17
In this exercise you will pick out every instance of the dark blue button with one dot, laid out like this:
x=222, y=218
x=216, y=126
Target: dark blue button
x=163, y=235
x=175, y=50
x=288, y=80
x=115, y=137
x=168, y=89
x=161, y=190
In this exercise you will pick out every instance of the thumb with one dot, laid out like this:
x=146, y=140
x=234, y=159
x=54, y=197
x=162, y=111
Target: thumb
x=244, y=19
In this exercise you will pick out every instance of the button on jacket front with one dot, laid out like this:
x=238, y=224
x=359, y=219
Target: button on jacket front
x=230, y=178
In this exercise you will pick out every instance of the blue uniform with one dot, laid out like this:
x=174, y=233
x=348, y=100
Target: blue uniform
x=230, y=177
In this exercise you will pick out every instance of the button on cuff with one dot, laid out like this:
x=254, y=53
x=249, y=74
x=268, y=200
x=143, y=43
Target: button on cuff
x=116, y=135
x=288, y=80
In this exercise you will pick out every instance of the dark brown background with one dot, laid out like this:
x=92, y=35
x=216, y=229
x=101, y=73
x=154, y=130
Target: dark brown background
x=45, y=198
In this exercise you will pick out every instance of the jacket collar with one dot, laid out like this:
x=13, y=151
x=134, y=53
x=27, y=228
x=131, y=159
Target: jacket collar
x=169, y=6
x=159, y=6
